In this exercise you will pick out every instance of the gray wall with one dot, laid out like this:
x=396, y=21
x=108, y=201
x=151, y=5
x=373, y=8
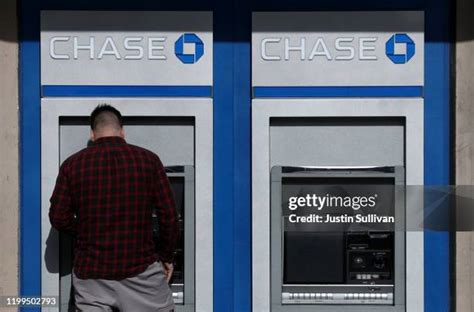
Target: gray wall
x=8, y=149
x=464, y=146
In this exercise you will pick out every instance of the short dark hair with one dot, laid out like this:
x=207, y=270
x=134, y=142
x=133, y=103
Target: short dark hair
x=105, y=114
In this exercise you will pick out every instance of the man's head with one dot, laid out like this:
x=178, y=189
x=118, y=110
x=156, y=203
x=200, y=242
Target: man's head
x=106, y=121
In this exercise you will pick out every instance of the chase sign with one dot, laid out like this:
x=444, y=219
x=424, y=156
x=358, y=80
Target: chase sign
x=126, y=48
x=338, y=49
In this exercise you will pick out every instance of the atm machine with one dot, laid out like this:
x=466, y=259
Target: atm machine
x=345, y=265
x=161, y=135
x=175, y=130
x=155, y=67
x=337, y=112
x=344, y=262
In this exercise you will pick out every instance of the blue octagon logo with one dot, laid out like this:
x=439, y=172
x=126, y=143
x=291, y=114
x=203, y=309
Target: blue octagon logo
x=189, y=40
x=397, y=40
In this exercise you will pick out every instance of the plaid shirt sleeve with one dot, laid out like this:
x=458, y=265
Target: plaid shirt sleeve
x=167, y=215
x=61, y=213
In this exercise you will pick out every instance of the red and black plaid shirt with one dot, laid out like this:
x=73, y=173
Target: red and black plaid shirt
x=104, y=195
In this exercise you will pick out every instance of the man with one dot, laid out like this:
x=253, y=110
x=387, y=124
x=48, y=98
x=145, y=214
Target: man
x=104, y=196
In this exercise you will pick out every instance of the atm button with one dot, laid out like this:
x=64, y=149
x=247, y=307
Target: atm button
x=318, y=295
x=384, y=296
x=178, y=295
x=356, y=296
x=339, y=296
x=306, y=295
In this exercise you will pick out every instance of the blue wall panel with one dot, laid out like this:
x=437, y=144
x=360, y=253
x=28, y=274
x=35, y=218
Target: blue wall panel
x=242, y=162
x=126, y=91
x=437, y=147
x=224, y=157
x=333, y=92
x=30, y=152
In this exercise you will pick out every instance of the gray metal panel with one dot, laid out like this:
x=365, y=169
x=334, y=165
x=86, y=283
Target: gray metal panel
x=400, y=236
x=189, y=240
x=329, y=26
x=276, y=236
x=118, y=26
x=172, y=141
x=262, y=111
x=336, y=142
x=197, y=108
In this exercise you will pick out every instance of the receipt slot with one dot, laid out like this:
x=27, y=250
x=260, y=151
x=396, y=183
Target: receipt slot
x=337, y=238
x=180, y=132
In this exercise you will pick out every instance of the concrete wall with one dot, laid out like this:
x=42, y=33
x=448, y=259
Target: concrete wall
x=8, y=149
x=464, y=146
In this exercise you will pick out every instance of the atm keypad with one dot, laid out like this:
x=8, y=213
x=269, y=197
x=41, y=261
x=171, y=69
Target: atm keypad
x=337, y=298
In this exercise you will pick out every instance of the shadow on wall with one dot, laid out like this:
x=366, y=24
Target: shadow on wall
x=8, y=21
x=56, y=244
x=59, y=247
x=464, y=21
x=30, y=13
x=51, y=258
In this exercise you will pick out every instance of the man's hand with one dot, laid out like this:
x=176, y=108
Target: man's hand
x=168, y=270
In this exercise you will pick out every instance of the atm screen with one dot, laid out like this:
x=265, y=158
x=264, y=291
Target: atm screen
x=318, y=230
x=303, y=260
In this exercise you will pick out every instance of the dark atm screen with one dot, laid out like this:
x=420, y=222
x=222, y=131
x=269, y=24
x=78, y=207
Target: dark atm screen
x=304, y=260
x=177, y=185
x=317, y=252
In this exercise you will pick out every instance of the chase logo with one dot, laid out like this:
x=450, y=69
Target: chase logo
x=189, y=48
x=400, y=48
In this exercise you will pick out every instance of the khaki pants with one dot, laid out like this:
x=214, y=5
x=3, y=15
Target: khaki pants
x=146, y=292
